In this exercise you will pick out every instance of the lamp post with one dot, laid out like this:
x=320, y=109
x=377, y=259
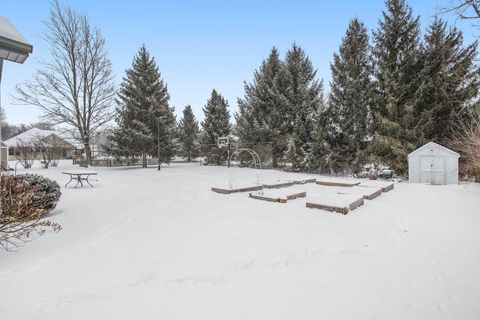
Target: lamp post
x=13, y=47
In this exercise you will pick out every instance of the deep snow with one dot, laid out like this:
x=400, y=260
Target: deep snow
x=144, y=244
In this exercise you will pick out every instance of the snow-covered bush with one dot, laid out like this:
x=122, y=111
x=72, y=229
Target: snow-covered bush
x=28, y=196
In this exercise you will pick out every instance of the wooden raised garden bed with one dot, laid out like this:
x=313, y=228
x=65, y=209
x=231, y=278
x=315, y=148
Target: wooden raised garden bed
x=277, y=197
x=342, y=203
x=228, y=191
x=278, y=185
x=331, y=183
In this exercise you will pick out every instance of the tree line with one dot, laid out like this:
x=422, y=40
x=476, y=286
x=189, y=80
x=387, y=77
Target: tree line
x=388, y=95
x=391, y=91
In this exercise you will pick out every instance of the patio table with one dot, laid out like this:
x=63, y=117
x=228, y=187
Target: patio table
x=79, y=176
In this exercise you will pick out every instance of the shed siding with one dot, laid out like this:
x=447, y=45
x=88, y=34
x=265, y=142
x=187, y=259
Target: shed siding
x=433, y=164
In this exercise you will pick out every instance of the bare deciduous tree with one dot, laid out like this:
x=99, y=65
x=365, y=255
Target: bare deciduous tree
x=75, y=87
x=467, y=142
x=465, y=10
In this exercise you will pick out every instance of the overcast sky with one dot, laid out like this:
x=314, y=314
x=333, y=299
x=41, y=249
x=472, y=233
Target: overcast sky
x=201, y=45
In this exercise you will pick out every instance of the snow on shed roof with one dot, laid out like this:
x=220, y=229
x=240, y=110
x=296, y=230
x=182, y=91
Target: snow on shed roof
x=433, y=145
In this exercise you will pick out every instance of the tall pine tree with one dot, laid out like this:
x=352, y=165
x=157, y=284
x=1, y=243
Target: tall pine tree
x=304, y=98
x=347, y=115
x=142, y=110
x=397, y=79
x=216, y=124
x=262, y=116
x=450, y=82
x=188, y=131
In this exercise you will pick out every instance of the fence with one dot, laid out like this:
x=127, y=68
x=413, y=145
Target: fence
x=100, y=159
x=264, y=150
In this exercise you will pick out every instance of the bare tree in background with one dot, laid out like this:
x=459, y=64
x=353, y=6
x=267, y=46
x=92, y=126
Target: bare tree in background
x=467, y=142
x=75, y=87
x=25, y=153
x=49, y=149
x=465, y=9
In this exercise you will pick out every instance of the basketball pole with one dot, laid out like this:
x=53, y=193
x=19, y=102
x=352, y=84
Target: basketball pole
x=228, y=154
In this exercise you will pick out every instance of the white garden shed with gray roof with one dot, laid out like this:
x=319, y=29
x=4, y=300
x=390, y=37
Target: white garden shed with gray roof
x=433, y=164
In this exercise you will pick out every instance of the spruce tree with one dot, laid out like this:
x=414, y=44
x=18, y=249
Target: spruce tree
x=397, y=78
x=450, y=80
x=215, y=124
x=349, y=101
x=188, y=134
x=304, y=98
x=262, y=116
x=142, y=111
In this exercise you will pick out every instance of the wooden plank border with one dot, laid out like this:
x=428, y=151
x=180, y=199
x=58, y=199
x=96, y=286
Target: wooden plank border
x=279, y=185
x=337, y=184
x=261, y=197
x=342, y=210
x=278, y=199
x=228, y=191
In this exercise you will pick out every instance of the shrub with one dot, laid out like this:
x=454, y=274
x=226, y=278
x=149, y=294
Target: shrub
x=467, y=142
x=28, y=196
x=25, y=154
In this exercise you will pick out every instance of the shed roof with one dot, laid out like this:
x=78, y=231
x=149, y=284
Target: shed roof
x=433, y=145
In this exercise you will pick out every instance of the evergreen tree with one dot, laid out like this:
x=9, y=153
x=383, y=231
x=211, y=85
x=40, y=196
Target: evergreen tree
x=143, y=112
x=446, y=98
x=304, y=98
x=262, y=115
x=349, y=104
x=397, y=78
x=216, y=124
x=188, y=134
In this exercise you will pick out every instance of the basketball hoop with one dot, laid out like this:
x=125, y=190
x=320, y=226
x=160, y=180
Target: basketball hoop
x=223, y=141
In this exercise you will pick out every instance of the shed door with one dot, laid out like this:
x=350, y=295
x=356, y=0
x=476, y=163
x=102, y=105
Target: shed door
x=432, y=169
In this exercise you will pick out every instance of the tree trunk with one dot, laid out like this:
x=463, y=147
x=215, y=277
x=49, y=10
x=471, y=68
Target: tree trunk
x=188, y=159
x=274, y=158
x=275, y=153
x=144, y=160
x=88, y=152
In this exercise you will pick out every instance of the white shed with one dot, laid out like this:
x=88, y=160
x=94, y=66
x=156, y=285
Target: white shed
x=434, y=164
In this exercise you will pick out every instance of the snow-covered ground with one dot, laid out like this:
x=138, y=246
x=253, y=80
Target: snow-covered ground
x=144, y=244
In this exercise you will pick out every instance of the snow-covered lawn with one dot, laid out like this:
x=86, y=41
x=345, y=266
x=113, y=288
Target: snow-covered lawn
x=144, y=244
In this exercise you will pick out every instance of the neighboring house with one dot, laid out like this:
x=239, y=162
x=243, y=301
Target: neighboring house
x=32, y=136
x=434, y=164
x=97, y=141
